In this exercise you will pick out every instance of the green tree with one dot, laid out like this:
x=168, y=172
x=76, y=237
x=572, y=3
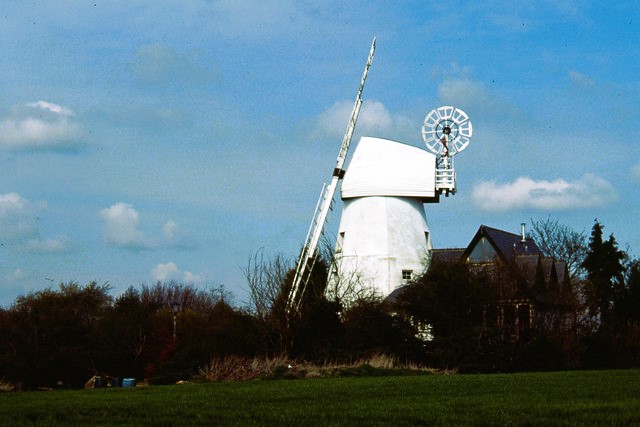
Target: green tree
x=630, y=300
x=605, y=273
x=201, y=336
x=124, y=336
x=51, y=337
x=450, y=298
x=370, y=328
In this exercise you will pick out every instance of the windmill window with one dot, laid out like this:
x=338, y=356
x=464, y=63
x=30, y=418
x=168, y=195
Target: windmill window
x=339, y=242
x=406, y=275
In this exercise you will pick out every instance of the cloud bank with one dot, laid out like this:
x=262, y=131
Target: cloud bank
x=19, y=225
x=635, y=173
x=121, y=227
x=17, y=217
x=158, y=65
x=587, y=192
x=121, y=223
x=581, y=80
x=374, y=118
x=40, y=125
x=170, y=272
x=52, y=245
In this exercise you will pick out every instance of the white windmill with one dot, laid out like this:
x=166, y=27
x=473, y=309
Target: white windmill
x=383, y=234
x=383, y=238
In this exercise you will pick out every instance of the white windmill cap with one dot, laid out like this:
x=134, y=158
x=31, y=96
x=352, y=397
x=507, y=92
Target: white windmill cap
x=382, y=167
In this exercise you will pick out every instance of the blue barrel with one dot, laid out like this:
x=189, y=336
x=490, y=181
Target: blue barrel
x=128, y=382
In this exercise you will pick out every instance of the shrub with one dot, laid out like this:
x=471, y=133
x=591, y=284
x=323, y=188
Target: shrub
x=6, y=387
x=236, y=368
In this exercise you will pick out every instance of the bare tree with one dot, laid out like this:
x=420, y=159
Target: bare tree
x=350, y=287
x=265, y=278
x=188, y=297
x=346, y=288
x=562, y=243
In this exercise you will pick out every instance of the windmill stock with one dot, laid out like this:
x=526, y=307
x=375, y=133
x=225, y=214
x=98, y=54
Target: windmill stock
x=308, y=254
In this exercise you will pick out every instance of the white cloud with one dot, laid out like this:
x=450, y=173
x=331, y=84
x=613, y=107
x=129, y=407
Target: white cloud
x=635, y=173
x=332, y=121
x=463, y=91
x=482, y=103
x=59, y=244
x=170, y=230
x=581, y=80
x=588, y=191
x=121, y=223
x=122, y=228
x=374, y=118
x=54, y=108
x=190, y=277
x=175, y=235
x=17, y=217
x=170, y=272
x=250, y=18
x=160, y=65
x=19, y=223
x=40, y=125
x=16, y=275
x=166, y=272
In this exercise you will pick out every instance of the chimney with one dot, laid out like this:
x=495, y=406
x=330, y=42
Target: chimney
x=524, y=237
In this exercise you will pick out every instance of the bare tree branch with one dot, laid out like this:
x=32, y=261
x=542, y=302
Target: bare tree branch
x=562, y=243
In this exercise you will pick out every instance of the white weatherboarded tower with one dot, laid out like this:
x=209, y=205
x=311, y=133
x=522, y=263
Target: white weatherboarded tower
x=383, y=238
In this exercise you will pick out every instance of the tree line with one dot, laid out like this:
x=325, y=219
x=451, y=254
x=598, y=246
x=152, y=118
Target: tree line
x=444, y=319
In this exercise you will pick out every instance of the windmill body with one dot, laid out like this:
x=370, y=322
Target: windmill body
x=383, y=237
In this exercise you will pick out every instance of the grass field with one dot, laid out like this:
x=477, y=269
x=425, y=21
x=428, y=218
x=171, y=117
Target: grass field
x=545, y=399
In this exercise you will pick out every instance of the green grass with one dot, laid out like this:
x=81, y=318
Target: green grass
x=545, y=399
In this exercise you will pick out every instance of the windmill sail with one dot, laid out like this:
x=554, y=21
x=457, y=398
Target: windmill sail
x=308, y=254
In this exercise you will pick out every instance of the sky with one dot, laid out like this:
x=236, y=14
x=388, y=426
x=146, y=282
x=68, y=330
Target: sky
x=145, y=141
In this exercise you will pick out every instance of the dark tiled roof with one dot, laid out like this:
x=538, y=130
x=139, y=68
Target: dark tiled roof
x=507, y=245
x=447, y=255
x=392, y=298
x=529, y=263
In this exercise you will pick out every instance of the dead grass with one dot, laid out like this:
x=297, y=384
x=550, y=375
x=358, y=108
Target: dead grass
x=234, y=368
x=6, y=387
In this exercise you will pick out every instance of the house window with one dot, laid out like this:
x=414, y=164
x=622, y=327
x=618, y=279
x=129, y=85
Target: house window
x=483, y=252
x=407, y=275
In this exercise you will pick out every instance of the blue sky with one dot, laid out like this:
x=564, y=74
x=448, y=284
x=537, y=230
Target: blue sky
x=170, y=140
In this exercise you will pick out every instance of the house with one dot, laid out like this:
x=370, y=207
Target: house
x=534, y=291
